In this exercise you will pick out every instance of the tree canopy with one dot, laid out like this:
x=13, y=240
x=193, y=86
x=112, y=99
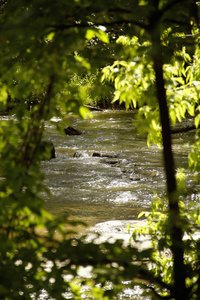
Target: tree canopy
x=149, y=51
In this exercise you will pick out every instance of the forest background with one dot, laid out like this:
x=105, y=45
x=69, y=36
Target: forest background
x=54, y=56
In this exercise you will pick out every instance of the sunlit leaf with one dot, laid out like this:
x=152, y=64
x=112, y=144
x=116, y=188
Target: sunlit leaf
x=3, y=94
x=90, y=33
x=85, y=112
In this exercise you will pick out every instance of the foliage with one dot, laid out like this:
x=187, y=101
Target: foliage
x=134, y=80
x=36, y=69
x=43, y=44
x=91, y=91
x=161, y=260
x=173, y=84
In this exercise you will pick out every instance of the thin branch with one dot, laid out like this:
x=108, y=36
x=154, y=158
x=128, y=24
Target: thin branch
x=188, y=35
x=87, y=25
x=177, y=22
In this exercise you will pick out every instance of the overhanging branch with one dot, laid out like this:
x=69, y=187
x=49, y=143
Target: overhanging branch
x=106, y=24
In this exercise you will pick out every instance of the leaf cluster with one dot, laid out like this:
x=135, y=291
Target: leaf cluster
x=42, y=45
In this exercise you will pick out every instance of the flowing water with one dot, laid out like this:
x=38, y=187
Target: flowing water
x=116, y=186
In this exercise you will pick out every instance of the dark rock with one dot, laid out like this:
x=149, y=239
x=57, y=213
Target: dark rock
x=78, y=154
x=97, y=154
x=48, y=150
x=72, y=131
x=110, y=155
x=53, y=151
x=110, y=161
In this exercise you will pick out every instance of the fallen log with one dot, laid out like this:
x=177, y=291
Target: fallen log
x=183, y=129
x=94, y=108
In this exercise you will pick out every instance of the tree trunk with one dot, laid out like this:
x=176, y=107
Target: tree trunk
x=180, y=291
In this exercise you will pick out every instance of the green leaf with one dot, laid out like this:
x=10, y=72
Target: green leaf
x=190, y=110
x=84, y=63
x=90, y=33
x=197, y=120
x=50, y=36
x=103, y=36
x=85, y=112
x=173, y=116
x=141, y=214
x=3, y=94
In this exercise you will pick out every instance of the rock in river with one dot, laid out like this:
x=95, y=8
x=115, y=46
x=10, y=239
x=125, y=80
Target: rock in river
x=48, y=149
x=98, y=154
x=72, y=131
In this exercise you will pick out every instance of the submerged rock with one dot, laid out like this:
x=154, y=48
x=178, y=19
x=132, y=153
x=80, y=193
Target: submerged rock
x=129, y=168
x=110, y=161
x=78, y=154
x=98, y=154
x=72, y=131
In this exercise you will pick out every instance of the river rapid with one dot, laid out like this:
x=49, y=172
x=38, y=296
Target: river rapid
x=114, y=186
x=118, y=185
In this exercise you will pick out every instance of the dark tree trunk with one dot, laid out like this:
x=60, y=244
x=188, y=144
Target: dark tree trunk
x=180, y=292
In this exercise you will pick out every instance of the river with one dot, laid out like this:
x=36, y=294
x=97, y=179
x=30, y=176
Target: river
x=98, y=189
x=116, y=186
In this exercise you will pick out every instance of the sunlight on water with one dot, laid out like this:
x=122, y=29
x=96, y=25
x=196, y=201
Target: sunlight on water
x=125, y=197
x=118, y=184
